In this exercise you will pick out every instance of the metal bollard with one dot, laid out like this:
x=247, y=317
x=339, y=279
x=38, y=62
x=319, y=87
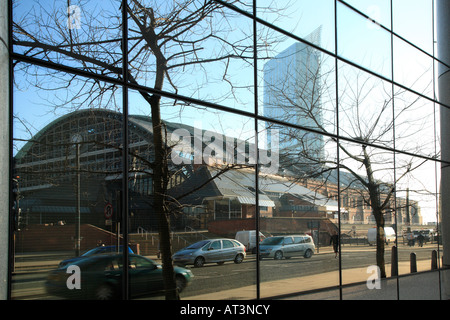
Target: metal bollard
x=394, y=264
x=434, y=264
x=413, y=262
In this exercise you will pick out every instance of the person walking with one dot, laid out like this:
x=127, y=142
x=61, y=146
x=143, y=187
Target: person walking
x=335, y=241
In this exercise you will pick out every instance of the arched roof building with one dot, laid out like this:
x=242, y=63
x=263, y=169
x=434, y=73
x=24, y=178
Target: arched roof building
x=48, y=168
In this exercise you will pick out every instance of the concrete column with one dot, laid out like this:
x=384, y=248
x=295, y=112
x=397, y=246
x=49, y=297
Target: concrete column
x=4, y=150
x=443, y=42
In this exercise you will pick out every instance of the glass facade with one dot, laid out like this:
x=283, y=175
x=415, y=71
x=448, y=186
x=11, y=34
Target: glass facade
x=239, y=149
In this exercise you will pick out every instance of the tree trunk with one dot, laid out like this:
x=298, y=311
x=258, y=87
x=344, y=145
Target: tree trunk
x=377, y=209
x=380, y=243
x=159, y=178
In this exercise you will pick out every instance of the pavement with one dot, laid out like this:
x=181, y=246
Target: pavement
x=423, y=285
x=357, y=283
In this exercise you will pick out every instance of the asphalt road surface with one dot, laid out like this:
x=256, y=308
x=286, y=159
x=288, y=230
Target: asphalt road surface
x=214, y=278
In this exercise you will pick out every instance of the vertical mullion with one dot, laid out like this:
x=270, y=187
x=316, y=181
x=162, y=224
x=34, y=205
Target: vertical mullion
x=337, y=141
x=436, y=187
x=124, y=209
x=11, y=237
x=394, y=141
x=256, y=112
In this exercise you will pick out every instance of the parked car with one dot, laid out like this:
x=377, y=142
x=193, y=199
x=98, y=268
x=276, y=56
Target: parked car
x=97, y=250
x=101, y=278
x=279, y=247
x=211, y=251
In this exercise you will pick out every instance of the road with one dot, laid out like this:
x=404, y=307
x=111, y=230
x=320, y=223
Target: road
x=214, y=278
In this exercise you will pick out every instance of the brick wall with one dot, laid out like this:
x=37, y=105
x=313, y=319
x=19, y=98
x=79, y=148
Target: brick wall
x=41, y=238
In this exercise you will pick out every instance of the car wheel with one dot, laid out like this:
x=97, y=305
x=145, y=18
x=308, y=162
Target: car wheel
x=278, y=255
x=308, y=253
x=180, y=283
x=105, y=292
x=199, y=262
x=239, y=258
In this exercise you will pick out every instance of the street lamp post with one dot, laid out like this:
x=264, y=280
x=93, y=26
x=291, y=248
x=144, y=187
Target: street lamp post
x=77, y=139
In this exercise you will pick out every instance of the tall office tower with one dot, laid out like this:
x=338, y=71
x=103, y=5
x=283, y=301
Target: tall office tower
x=292, y=94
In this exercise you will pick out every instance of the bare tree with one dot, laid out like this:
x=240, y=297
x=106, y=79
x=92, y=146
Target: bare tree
x=306, y=95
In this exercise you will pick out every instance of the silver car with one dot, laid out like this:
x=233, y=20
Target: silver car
x=211, y=251
x=286, y=247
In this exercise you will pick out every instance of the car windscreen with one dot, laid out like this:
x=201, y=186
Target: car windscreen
x=272, y=241
x=197, y=245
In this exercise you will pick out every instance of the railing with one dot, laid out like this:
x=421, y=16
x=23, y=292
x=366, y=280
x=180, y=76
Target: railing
x=141, y=231
x=176, y=236
x=197, y=234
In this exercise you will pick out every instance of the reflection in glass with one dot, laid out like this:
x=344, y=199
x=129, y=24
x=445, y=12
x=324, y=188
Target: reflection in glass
x=418, y=189
x=413, y=21
x=203, y=51
x=210, y=193
x=86, y=35
x=297, y=86
x=377, y=10
x=309, y=19
x=365, y=107
x=415, y=126
x=369, y=174
x=68, y=163
x=363, y=42
x=304, y=215
x=321, y=145
x=412, y=68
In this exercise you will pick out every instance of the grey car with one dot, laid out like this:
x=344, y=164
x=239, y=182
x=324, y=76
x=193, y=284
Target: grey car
x=210, y=251
x=286, y=247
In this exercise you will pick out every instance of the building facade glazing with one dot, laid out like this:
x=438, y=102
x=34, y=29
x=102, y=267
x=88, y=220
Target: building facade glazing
x=160, y=124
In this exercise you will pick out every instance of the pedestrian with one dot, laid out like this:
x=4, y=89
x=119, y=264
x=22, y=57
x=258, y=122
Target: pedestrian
x=420, y=239
x=335, y=241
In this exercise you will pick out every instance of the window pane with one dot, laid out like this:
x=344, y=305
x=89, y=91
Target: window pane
x=379, y=11
x=415, y=127
x=417, y=207
x=84, y=35
x=68, y=163
x=363, y=42
x=413, y=20
x=297, y=86
x=211, y=194
x=365, y=107
x=367, y=181
x=203, y=51
x=311, y=20
x=305, y=203
x=413, y=68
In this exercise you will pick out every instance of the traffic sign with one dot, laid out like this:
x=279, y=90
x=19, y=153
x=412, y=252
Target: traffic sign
x=108, y=211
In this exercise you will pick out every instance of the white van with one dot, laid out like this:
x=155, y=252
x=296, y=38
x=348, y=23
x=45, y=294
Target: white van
x=248, y=239
x=389, y=235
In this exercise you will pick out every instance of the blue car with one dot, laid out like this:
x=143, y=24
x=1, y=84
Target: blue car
x=97, y=250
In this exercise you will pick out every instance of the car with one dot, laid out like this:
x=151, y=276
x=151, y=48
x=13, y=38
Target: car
x=279, y=247
x=211, y=251
x=101, y=278
x=97, y=250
